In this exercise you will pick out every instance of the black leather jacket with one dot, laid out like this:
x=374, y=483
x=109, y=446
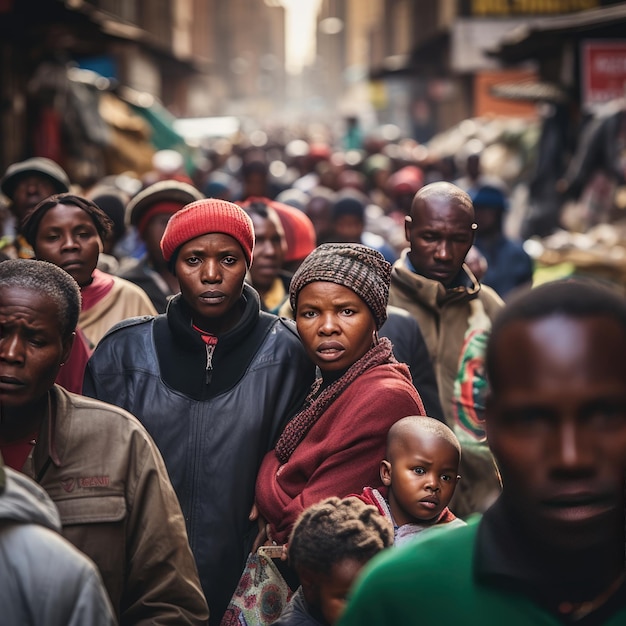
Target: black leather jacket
x=212, y=435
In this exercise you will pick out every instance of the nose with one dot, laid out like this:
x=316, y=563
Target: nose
x=572, y=448
x=11, y=349
x=69, y=242
x=432, y=482
x=328, y=324
x=443, y=251
x=211, y=272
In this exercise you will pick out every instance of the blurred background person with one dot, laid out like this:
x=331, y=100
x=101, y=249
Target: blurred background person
x=69, y=231
x=148, y=212
x=26, y=184
x=508, y=265
x=266, y=274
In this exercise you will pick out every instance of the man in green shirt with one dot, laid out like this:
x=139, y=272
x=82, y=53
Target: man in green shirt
x=551, y=549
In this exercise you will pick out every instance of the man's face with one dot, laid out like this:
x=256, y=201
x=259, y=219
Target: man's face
x=30, y=190
x=269, y=253
x=556, y=424
x=31, y=348
x=440, y=234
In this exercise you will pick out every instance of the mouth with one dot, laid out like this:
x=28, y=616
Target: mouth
x=72, y=265
x=212, y=297
x=430, y=502
x=330, y=350
x=578, y=507
x=10, y=382
x=441, y=272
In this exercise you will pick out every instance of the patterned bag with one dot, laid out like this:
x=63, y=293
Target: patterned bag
x=261, y=594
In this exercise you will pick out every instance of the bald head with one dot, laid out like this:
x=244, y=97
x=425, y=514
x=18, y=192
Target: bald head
x=408, y=429
x=442, y=194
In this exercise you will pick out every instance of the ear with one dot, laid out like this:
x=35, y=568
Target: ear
x=310, y=585
x=68, y=342
x=385, y=472
x=408, y=222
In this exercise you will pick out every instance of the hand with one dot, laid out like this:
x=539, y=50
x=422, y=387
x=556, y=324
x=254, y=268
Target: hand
x=262, y=535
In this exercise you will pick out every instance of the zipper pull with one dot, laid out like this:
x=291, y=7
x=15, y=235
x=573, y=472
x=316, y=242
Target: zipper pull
x=210, y=349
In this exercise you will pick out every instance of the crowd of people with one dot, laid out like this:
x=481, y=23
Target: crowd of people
x=345, y=364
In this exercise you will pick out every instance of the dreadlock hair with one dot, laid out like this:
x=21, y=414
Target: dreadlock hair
x=102, y=222
x=574, y=298
x=336, y=529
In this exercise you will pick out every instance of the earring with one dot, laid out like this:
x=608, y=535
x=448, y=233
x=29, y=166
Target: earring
x=375, y=338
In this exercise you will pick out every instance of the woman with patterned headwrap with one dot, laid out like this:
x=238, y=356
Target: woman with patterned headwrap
x=333, y=446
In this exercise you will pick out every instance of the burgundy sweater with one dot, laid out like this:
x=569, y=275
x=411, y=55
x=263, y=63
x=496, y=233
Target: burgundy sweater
x=341, y=453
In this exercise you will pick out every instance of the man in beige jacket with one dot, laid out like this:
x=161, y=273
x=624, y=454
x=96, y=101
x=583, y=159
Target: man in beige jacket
x=432, y=282
x=95, y=460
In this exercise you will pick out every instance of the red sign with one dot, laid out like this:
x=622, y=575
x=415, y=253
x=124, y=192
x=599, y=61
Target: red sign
x=604, y=71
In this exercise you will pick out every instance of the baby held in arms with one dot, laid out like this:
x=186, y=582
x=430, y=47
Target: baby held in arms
x=419, y=474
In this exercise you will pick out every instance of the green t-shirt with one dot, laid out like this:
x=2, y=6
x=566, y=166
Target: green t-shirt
x=430, y=582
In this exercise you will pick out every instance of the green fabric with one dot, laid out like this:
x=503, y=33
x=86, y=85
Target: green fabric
x=430, y=582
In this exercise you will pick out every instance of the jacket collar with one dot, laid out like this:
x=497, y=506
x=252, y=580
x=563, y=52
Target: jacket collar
x=54, y=433
x=180, y=324
x=432, y=293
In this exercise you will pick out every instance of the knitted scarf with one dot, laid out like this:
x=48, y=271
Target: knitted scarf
x=314, y=407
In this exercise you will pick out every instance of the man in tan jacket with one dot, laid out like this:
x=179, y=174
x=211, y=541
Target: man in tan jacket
x=95, y=460
x=432, y=282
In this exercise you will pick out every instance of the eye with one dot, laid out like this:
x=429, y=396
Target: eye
x=446, y=478
x=308, y=314
x=192, y=260
x=529, y=419
x=420, y=471
x=347, y=312
x=229, y=260
x=606, y=415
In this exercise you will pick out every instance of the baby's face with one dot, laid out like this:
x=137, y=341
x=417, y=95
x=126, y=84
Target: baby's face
x=331, y=590
x=421, y=474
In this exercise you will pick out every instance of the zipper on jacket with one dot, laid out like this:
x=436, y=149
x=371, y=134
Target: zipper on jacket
x=210, y=349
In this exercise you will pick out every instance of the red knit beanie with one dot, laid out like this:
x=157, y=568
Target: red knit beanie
x=207, y=216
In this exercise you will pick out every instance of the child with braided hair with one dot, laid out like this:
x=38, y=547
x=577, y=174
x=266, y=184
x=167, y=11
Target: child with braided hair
x=328, y=546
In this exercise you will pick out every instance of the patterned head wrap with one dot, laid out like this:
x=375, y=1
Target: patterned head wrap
x=359, y=268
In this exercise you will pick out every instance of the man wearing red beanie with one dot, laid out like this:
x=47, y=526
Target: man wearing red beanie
x=214, y=380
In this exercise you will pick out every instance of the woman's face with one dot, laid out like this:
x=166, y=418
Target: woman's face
x=335, y=325
x=68, y=238
x=210, y=271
